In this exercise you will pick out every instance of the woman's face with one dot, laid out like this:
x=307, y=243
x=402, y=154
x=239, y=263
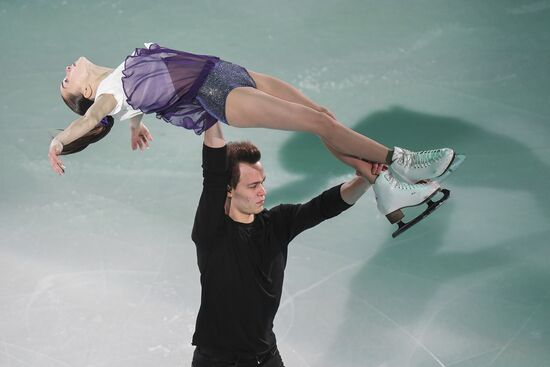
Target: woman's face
x=75, y=77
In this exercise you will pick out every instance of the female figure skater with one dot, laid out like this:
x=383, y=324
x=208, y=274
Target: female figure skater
x=195, y=91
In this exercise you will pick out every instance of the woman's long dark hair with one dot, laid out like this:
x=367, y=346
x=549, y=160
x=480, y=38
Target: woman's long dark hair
x=80, y=104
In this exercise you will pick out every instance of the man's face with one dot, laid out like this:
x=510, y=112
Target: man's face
x=249, y=195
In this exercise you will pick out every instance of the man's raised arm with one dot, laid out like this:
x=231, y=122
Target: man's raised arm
x=213, y=137
x=211, y=208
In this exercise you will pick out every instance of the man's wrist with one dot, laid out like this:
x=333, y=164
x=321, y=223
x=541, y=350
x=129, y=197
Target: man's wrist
x=362, y=181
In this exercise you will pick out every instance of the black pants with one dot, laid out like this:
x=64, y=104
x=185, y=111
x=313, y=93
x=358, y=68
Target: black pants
x=207, y=358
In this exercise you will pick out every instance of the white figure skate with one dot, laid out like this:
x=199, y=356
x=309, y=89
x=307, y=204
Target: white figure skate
x=393, y=195
x=415, y=167
x=457, y=161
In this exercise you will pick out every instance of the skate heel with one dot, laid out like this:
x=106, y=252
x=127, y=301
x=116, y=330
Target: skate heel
x=395, y=216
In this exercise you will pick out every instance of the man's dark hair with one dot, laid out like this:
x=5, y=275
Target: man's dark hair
x=80, y=104
x=240, y=152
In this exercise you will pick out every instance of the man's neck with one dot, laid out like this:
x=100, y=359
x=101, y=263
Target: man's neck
x=240, y=217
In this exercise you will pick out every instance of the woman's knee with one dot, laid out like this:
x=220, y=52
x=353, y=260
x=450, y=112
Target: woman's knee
x=263, y=82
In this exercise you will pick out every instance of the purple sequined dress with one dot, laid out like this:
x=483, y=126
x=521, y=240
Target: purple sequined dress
x=166, y=82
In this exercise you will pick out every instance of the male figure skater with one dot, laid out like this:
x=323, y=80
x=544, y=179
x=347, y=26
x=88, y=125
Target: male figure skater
x=242, y=252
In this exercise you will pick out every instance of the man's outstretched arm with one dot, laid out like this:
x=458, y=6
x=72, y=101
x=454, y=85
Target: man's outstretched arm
x=353, y=189
x=366, y=172
x=330, y=203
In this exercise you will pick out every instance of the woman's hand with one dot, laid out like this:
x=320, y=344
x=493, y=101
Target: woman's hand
x=140, y=137
x=55, y=150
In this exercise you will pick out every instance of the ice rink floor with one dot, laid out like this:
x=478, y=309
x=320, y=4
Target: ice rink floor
x=97, y=268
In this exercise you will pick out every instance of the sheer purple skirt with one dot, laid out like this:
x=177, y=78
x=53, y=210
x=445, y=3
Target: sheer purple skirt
x=166, y=82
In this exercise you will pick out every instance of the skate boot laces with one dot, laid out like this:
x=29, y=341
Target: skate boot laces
x=420, y=159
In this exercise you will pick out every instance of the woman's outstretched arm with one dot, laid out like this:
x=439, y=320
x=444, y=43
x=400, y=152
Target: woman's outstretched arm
x=139, y=134
x=78, y=128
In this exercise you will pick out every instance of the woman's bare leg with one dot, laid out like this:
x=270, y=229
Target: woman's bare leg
x=283, y=90
x=286, y=91
x=364, y=168
x=250, y=107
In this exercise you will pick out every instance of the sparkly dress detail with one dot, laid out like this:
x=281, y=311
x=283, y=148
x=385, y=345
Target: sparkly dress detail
x=222, y=79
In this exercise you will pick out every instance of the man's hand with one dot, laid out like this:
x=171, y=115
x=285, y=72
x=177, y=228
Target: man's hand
x=213, y=137
x=140, y=137
x=363, y=168
x=377, y=168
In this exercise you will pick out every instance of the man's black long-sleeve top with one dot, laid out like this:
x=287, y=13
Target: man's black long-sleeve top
x=242, y=265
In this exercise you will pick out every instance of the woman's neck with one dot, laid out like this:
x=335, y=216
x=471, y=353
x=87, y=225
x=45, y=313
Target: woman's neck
x=97, y=74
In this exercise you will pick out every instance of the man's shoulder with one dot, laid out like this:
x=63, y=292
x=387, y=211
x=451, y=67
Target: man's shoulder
x=279, y=211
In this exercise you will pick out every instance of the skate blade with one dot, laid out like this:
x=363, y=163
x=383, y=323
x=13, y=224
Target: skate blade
x=432, y=206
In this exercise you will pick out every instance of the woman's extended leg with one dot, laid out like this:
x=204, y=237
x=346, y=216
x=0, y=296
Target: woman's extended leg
x=250, y=107
x=286, y=91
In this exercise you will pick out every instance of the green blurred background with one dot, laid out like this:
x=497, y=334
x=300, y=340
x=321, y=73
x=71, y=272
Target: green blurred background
x=97, y=267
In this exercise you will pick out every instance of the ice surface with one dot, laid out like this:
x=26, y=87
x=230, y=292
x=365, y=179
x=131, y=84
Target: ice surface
x=97, y=267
